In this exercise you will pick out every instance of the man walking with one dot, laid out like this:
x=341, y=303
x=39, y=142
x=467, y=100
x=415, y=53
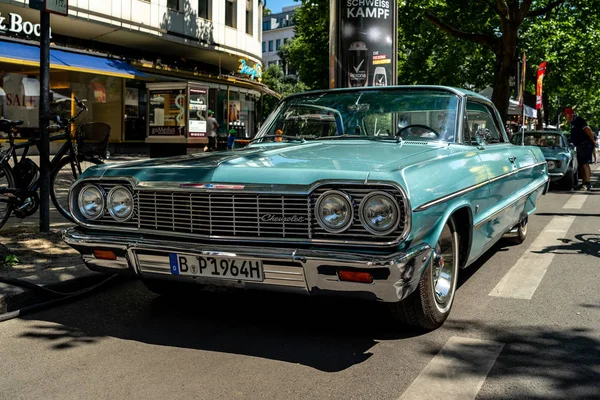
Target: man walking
x=583, y=139
x=211, y=127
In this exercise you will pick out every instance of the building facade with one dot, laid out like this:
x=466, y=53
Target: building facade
x=198, y=55
x=277, y=29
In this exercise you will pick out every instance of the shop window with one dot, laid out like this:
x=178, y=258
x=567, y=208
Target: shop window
x=173, y=5
x=270, y=45
x=205, y=9
x=277, y=44
x=135, y=110
x=249, y=17
x=230, y=13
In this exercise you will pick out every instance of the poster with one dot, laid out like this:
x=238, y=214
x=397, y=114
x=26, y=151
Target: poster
x=366, y=52
x=198, y=109
x=131, y=97
x=167, y=112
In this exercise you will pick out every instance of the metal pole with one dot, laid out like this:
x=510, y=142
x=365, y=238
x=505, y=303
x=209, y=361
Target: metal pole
x=44, y=119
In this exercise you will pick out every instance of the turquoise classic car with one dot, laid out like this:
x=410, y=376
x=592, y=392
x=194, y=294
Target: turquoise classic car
x=383, y=194
x=559, y=154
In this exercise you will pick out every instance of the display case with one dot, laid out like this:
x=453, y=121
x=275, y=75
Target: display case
x=177, y=113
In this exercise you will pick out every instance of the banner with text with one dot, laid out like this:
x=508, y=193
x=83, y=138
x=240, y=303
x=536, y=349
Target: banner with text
x=366, y=50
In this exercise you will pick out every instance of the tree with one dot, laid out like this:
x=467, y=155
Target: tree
x=277, y=81
x=308, y=52
x=493, y=24
x=266, y=11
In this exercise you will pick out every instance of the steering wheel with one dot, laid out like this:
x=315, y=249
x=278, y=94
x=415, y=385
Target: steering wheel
x=399, y=133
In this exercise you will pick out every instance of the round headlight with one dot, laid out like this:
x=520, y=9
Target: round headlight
x=551, y=165
x=120, y=203
x=334, y=212
x=91, y=202
x=379, y=213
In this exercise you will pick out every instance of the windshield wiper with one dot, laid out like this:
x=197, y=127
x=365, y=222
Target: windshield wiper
x=294, y=138
x=396, y=139
x=344, y=136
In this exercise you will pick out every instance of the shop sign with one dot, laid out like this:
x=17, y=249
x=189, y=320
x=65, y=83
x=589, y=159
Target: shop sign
x=167, y=112
x=56, y=7
x=253, y=72
x=15, y=24
x=198, y=109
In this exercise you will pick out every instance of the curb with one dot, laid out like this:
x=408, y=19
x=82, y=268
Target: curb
x=13, y=298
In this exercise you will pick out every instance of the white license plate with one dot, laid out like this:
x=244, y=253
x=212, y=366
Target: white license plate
x=216, y=267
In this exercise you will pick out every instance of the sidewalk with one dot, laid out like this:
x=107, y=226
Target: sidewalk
x=41, y=258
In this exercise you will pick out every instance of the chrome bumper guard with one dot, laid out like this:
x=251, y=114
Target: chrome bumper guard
x=306, y=271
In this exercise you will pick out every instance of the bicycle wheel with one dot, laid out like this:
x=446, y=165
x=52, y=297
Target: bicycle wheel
x=7, y=180
x=61, y=179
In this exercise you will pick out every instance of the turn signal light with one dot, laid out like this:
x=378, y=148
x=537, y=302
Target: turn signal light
x=105, y=255
x=355, y=276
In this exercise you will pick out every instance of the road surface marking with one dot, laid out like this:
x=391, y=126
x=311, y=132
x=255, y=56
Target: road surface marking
x=525, y=276
x=576, y=201
x=457, y=372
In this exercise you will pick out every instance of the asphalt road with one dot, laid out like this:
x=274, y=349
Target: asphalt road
x=512, y=334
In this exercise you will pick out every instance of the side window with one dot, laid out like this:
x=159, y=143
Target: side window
x=480, y=116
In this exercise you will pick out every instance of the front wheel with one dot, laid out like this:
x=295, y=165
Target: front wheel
x=569, y=181
x=7, y=181
x=61, y=179
x=429, y=306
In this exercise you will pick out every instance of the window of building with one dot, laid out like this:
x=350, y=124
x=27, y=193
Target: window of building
x=270, y=45
x=277, y=44
x=266, y=25
x=249, y=17
x=205, y=9
x=230, y=13
x=173, y=5
x=264, y=49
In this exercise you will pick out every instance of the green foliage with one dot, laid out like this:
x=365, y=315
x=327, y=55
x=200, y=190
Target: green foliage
x=10, y=260
x=267, y=11
x=308, y=53
x=277, y=81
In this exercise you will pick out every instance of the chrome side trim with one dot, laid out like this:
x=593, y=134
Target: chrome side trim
x=466, y=190
x=510, y=204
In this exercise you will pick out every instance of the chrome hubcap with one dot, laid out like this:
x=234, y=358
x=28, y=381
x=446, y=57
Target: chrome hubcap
x=444, y=270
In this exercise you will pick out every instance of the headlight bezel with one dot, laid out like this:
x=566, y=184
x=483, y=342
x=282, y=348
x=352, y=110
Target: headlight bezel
x=363, y=219
x=552, y=165
x=110, y=209
x=350, y=207
x=102, y=196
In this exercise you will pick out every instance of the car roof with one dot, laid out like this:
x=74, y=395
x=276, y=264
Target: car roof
x=450, y=89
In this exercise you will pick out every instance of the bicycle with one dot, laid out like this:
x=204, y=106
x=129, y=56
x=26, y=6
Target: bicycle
x=19, y=183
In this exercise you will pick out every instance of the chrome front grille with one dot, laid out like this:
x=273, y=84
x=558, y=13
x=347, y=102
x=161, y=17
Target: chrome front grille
x=220, y=214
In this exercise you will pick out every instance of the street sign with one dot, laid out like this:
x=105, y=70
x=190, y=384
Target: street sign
x=36, y=4
x=56, y=7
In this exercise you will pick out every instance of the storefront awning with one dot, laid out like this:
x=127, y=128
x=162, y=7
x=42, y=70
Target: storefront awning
x=17, y=53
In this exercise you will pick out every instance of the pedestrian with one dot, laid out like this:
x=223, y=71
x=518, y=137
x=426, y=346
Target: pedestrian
x=211, y=126
x=583, y=139
x=231, y=139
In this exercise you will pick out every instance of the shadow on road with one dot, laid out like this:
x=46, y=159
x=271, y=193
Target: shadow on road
x=539, y=362
x=585, y=243
x=327, y=334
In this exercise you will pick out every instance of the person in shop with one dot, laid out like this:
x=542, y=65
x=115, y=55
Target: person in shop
x=583, y=139
x=211, y=127
x=231, y=138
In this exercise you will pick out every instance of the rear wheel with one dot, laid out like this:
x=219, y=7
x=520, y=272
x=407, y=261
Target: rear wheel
x=61, y=179
x=7, y=180
x=429, y=306
x=518, y=234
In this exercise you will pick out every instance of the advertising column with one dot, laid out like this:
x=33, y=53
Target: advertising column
x=363, y=43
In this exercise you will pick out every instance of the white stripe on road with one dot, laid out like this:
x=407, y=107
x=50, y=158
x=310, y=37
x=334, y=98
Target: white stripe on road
x=526, y=275
x=576, y=201
x=457, y=372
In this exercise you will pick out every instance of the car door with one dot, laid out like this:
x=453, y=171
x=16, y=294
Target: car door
x=497, y=157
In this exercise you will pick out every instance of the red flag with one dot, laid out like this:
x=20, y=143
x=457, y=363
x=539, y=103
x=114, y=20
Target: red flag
x=522, y=88
x=540, y=80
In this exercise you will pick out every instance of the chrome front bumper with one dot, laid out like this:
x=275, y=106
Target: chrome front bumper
x=554, y=176
x=306, y=271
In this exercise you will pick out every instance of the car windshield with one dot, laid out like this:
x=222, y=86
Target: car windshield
x=541, y=139
x=365, y=114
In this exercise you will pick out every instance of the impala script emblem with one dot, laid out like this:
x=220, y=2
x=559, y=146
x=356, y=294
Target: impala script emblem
x=280, y=218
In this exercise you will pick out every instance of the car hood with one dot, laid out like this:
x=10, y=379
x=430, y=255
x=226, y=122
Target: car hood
x=553, y=152
x=300, y=164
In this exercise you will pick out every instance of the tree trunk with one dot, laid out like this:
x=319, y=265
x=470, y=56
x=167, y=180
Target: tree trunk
x=506, y=58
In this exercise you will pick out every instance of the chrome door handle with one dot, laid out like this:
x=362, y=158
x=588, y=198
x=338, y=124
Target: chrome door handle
x=512, y=159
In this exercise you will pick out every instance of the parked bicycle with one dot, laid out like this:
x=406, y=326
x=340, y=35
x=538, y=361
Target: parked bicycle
x=20, y=181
